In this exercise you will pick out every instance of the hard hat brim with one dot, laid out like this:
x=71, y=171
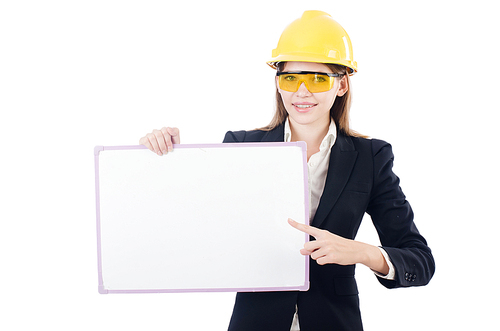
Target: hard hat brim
x=312, y=58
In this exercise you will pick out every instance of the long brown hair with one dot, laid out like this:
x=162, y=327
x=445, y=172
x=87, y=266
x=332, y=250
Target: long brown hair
x=339, y=111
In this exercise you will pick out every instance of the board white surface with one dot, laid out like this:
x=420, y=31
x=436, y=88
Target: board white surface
x=202, y=218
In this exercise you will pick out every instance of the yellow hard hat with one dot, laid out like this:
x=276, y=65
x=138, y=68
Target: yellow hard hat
x=315, y=37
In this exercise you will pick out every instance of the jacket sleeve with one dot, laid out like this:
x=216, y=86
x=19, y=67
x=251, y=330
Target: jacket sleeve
x=393, y=218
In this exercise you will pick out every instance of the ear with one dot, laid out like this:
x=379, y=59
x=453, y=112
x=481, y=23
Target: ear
x=343, y=86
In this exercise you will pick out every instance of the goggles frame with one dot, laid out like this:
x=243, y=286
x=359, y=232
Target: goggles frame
x=305, y=81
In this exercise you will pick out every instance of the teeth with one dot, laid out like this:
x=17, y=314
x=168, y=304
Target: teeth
x=304, y=106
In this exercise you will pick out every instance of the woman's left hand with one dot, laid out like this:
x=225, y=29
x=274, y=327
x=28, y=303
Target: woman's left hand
x=331, y=248
x=328, y=247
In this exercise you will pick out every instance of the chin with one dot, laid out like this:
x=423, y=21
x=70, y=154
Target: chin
x=307, y=118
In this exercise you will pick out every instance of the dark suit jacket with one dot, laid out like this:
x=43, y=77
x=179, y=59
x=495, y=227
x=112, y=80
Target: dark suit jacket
x=359, y=180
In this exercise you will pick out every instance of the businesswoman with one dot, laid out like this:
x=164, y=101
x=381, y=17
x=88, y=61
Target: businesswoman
x=349, y=175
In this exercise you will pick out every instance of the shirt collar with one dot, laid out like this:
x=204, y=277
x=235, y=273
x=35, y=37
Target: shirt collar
x=328, y=140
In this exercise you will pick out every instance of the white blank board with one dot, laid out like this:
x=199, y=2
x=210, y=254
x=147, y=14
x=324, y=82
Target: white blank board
x=201, y=218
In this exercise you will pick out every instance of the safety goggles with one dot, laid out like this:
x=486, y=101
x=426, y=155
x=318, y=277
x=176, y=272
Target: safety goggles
x=315, y=81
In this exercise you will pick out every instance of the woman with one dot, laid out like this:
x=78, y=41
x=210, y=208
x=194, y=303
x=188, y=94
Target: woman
x=349, y=175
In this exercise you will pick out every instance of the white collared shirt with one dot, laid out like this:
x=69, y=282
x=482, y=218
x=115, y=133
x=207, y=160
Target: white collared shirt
x=318, y=167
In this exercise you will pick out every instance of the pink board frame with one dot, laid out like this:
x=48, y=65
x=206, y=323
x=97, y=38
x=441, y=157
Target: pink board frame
x=101, y=285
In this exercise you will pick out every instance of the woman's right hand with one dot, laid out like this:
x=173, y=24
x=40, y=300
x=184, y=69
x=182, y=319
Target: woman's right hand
x=161, y=141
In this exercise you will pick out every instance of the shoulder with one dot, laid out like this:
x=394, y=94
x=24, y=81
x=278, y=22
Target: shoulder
x=244, y=136
x=375, y=146
x=276, y=134
x=375, y=152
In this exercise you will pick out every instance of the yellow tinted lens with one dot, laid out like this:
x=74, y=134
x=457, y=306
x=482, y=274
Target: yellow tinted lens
x=314, y=82
x=289, y=82
x=319, y=83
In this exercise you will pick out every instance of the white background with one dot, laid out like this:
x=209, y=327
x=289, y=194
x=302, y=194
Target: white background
x=75, y=74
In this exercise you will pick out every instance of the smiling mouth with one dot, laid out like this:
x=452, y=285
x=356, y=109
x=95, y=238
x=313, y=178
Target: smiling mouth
x=303, y=107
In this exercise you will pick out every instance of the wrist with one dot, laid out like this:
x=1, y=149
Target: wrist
x=373, y=259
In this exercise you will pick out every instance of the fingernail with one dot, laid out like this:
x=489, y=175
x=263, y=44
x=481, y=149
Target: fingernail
x=164, y=152
x=159, y=153
x=170, y=149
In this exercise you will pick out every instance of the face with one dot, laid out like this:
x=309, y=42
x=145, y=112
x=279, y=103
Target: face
x=306, y=108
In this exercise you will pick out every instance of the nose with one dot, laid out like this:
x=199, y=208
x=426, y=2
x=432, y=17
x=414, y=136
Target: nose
x=303, y=91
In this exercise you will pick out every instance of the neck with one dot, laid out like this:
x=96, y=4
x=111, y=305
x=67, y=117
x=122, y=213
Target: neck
x=312, y=134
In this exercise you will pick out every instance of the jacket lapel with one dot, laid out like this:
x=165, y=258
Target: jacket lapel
x=342, y=158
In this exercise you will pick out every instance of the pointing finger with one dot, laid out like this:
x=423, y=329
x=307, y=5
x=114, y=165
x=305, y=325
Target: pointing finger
x=310, y=230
